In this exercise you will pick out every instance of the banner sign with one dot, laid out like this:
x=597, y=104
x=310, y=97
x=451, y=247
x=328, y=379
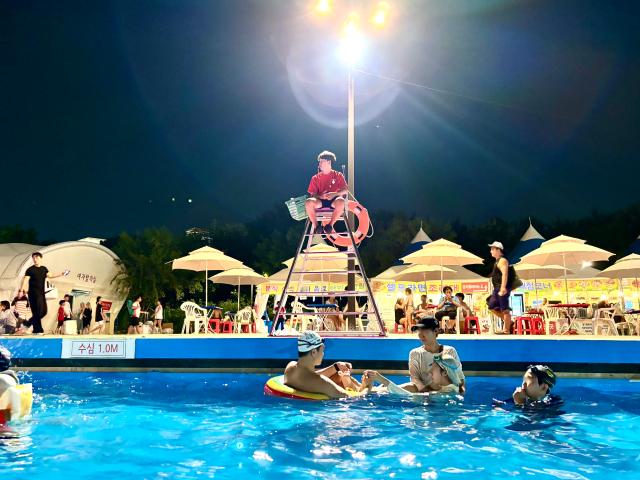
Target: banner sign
x=116, y=349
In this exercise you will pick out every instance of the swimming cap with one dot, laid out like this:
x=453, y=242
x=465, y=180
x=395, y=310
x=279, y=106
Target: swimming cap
x=308, y=341
x=544, y=374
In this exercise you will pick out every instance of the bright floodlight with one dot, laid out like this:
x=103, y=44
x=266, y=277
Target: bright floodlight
x=351, y=49
x=323, y=7
x=380, y=14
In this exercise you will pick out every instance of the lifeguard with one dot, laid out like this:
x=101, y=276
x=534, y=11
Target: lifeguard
x=328, y=189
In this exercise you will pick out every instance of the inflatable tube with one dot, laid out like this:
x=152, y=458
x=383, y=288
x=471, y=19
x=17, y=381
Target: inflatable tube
x=342, y=239
x=17, y=402
x=275, y=387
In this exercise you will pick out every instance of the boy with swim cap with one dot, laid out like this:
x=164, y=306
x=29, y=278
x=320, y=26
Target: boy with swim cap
x=302, y=375
x=326, y=189
x=537, y=382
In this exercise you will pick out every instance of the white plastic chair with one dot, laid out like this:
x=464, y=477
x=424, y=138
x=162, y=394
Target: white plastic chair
x=552, y=315
x=195, y=318
x=603, y=322
x=302, y=322
x=247, y=317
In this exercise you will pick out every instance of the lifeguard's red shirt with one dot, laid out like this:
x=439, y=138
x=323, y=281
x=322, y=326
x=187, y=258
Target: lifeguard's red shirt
x=331, y=182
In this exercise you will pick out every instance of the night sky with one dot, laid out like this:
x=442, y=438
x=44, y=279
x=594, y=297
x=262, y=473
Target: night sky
x=116, y=113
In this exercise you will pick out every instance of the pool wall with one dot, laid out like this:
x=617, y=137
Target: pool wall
x=484, y=355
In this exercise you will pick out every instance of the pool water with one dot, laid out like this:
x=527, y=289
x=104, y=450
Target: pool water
x=184, y=426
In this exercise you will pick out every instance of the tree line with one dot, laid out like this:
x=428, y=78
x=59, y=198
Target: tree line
x=264, y=242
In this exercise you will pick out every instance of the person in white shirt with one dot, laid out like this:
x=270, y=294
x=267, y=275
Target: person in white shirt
x=67, y=307
x=423, y=358
x=135, y=324
x=8, y=321
x=158, y=316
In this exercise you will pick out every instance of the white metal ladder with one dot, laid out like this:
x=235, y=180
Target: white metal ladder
x=298, y=269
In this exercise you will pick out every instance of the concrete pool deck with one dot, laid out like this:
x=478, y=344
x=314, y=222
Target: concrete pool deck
x=482, y=355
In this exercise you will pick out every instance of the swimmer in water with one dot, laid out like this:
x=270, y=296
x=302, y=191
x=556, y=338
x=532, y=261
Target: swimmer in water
x=537, y=382
x=332, y=381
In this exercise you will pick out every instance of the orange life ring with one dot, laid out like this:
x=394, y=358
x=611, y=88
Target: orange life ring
x=342, y=239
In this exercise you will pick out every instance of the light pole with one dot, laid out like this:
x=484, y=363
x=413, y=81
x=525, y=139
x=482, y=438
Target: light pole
x=351, y=50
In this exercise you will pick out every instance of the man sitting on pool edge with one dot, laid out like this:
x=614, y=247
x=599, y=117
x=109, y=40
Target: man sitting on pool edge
x=303, y=376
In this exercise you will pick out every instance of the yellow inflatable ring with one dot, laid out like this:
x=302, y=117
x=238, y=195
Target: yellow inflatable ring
x=25, y=392
x=275, y=387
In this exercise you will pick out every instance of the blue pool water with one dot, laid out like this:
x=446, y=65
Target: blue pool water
x=184, y=426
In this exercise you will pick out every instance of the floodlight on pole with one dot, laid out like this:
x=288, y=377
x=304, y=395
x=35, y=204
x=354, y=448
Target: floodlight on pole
x=323, y=7
x=380, y=14
x=351, y=49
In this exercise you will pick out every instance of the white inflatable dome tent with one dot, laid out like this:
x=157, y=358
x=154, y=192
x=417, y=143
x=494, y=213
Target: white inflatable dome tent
x=92, y=269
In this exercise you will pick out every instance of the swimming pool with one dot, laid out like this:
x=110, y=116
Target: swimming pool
x=171, y=425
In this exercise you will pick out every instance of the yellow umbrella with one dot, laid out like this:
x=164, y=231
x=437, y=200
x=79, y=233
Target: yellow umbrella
x=529, y=271
x=442, y=252
x=203, y=260
x=239, y=276
x=626, y=267
x=565, y=250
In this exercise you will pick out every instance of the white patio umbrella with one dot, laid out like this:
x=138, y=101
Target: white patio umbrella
x=206, y=259
x=321, y=257
x=626, y=267
x=239, y=276
x=422, y=273
x=529, y=271
x=442, y=253
x=564, y=250
x=327, y=275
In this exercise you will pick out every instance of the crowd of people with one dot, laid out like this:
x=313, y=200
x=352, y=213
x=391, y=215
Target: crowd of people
x=25, y=312
x=136, y=322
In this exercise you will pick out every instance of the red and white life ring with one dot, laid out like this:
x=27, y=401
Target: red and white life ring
x=342, y=239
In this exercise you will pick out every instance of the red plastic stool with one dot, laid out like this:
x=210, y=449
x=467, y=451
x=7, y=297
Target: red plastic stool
x=244, y=328
x=537, y=326
x=227, y=327
x=214, y=325
x=397, y=327
x=522, y=326
x=472, y=325
x=528, y=325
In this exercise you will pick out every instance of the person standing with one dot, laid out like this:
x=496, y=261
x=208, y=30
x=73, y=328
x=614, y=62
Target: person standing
x=158, y=316
x=499, y=300
x=99, y=324
x=33, y=284
x=67, y=307
x=135, y=325
x=86, y=314
x=408, y=307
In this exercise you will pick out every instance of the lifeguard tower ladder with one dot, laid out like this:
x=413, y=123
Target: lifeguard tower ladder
x=315, y=316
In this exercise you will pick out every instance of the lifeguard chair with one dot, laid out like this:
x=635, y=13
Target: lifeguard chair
x=307, y=267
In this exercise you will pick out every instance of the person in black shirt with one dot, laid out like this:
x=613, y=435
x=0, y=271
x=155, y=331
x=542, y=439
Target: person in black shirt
x=33, y=283
x=99, y=325
x=500, y=278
